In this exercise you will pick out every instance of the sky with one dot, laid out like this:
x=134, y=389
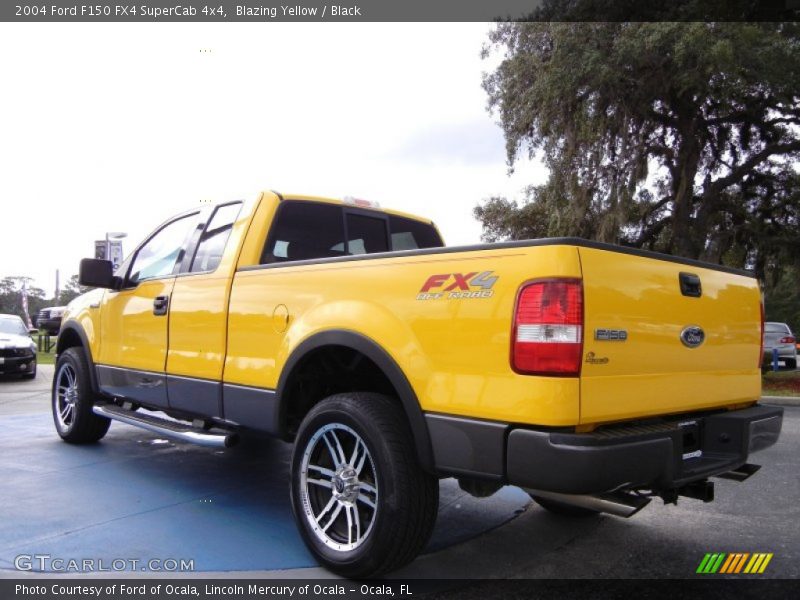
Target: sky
x=109, y=127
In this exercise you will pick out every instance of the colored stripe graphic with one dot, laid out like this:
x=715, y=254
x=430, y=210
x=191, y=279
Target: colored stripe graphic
x=734, y=563
x=711, y=562
x=758, y=563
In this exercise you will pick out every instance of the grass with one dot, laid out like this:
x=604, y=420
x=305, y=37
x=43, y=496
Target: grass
x=45, y=358
x=42, y=357
x=781, y=383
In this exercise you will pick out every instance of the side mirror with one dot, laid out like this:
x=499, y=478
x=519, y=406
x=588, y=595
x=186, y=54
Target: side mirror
x=95, y=272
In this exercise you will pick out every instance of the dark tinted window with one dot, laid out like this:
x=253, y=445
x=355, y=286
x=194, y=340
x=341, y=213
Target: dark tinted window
x=366, y=235
x=305, y=230
x=212, y=242
x=408, y=234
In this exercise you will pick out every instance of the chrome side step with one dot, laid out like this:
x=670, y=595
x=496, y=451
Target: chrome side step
x=614, y=503
x=172, y=429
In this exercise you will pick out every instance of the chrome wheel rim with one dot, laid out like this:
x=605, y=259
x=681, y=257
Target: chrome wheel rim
x=339, y=487
x=66, y=396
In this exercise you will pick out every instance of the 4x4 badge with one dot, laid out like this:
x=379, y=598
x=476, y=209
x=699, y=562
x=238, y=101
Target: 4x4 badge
x=692, y=336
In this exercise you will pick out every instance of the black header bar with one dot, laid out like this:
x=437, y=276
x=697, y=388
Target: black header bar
x=265, y=11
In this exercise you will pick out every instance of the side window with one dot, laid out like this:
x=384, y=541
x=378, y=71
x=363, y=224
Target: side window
x=212, y=242
x=159, y=255
x=408, y=234
x=366, y=235
x=305, y=230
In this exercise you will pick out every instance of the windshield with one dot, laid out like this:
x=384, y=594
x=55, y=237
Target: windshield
x=14, y=326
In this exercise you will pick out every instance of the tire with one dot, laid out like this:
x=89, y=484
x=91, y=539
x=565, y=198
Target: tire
x=31, y=375
x=72, y=401
x=380, y=491
x=564, y=510
x=791, y=363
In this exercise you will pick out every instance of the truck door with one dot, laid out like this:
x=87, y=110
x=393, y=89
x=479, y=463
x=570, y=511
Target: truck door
x=198, y=322
x=134, y=320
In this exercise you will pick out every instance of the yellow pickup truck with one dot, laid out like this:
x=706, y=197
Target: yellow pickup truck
x=593, y=376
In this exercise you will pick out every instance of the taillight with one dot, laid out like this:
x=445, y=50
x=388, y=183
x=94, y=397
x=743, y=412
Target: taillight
x=786, y=340
x=761, y=348
x=548, y=328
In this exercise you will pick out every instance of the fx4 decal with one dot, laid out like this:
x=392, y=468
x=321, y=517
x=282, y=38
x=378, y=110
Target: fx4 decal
x=458, y=285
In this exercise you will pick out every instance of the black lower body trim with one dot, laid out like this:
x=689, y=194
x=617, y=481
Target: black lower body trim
x=251, y=407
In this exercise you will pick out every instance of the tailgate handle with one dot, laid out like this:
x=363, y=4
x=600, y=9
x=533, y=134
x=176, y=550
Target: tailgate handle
x=690, y=285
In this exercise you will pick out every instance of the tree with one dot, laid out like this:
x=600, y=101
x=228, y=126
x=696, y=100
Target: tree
x=677, y=137
x=11, y=296
x=71, y=290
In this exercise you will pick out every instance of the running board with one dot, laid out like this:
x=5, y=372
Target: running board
x=172, y=429
x=614, y=503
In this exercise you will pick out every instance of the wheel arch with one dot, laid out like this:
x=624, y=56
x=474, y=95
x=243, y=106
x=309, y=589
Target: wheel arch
x=370, y=349
x=72, y=335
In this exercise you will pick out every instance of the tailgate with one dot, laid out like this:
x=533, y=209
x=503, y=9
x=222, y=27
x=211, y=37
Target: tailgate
x=655, y=369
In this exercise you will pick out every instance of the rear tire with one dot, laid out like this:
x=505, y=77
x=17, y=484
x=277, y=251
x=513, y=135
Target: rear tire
x=564, y=510
x=791, y=363
x=72, y=400
x=363, y=504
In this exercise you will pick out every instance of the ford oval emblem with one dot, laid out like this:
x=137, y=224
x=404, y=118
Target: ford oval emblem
x=692, y=336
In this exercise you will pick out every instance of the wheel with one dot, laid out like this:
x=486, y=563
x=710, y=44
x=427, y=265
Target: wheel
x=31, y=375
x=791, y=363
x=73, y=399
x=363, y=504
x=564, y=510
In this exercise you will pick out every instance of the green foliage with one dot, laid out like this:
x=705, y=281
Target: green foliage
x=677, y=137
x=782, y=301
x=11, y=297
x=71, y=290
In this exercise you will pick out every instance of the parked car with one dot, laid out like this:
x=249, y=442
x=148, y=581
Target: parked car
x=780, y=336
x=49, y=319
x=17, y=349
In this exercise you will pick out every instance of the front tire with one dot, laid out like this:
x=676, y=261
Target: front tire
x=363, y=504
x=72, y=401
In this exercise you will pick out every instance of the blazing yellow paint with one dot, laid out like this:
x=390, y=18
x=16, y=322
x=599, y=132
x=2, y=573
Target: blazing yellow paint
x=454, y=352
x=133, y=337
x=653, y=373
x=198, y=314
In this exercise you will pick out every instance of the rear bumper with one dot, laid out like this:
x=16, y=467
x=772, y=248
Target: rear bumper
x=663, y=455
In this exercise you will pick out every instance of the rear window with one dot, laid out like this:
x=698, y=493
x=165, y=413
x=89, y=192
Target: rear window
x=776, y=328
x=409, y=234
x=308, y=230
x=305, y=230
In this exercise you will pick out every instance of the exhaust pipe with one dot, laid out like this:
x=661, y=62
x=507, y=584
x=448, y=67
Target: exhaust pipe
x=613, y=503
x=167, y=428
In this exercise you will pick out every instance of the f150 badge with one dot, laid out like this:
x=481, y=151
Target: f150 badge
x=458, y=286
